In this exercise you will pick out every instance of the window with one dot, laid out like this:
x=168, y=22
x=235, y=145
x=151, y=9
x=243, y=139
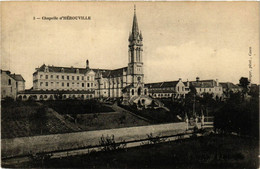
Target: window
x=82, y=77
x=77, y=77
x=68, y=78
x=182, y=88
x=57, y=83
x=72, y=77
x=57, y=76
x=46, y=83
x=77, y=84
x=46, y=76
x=88, y=84
x=72, y=84
x=91, y=84
x=178, y=88
x=68, y=84
x=62, y=84
x=51, y=83
x=9, y=82
x=40, y=76
x=87, y=77
x=51, y=76
x=62, y=77
x=82, y=84
x=41, y=83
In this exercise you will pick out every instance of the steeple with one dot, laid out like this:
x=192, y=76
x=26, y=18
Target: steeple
x=135, y=53
x=135, y=30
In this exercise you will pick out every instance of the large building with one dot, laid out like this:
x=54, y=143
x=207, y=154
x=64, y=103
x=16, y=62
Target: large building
x=128, y=81
x=208, y=86
x=169, y=89
x=11, y=84
x=124, y=83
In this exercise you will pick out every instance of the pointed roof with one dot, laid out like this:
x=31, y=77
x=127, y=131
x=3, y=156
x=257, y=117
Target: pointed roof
x=135, y=29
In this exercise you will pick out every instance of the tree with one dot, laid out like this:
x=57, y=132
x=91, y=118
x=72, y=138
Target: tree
x=243, y=82
x=238, y=116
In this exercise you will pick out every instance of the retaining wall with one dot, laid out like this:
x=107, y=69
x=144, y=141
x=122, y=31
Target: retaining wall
x=47, y=143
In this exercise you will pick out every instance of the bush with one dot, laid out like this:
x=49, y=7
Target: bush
x=238, y=116
x=108, y=143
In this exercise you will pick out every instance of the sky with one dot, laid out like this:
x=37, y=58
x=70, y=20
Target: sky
x=210, y=40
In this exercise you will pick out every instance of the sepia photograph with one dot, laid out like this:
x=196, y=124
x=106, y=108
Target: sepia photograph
x=137, y=84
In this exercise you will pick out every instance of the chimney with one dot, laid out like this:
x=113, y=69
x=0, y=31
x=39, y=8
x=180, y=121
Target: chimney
x=197, y=79
x=188, y=83
x=87, y=64
x=217, y=82
x=179, y=79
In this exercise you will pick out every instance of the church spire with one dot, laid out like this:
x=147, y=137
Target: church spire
x=135, y=30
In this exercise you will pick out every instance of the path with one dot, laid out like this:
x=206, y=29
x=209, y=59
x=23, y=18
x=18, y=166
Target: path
x=120, y=109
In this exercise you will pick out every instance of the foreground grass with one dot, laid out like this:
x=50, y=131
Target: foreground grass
x=214, y=151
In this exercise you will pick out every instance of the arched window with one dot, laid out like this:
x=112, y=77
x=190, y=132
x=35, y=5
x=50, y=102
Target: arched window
x=133, y=92
x=145, y=92
x=41, y=97
x=139, y=91
x=9, y=82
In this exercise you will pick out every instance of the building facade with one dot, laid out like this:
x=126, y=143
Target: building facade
x=229, y=87
x=64, y=78
x=169, y=89
x=124, y=83
x=11, y=84
x=208, y=86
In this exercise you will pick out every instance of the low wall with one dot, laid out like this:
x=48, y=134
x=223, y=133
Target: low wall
x=47, y=143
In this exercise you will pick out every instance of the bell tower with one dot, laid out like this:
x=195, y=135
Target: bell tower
x=135, y=50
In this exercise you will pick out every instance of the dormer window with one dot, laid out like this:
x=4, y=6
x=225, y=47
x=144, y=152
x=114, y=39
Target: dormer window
x=77, y=71
x=46, y=69
x=62, y=70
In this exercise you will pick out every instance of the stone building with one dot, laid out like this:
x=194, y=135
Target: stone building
x=229, y=87
x=63, y=78
x=169, y=89
x=11, y=84
x=208, y=86
x=125, y=83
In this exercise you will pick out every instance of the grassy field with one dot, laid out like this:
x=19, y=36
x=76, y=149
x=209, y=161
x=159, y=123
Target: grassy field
x=21, y=119
x=108, y=120
x=214, y=151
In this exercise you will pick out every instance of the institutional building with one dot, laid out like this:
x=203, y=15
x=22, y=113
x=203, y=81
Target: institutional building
x=169, y=89
x=208, y=86
x=11, y=84
x=125, y=83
